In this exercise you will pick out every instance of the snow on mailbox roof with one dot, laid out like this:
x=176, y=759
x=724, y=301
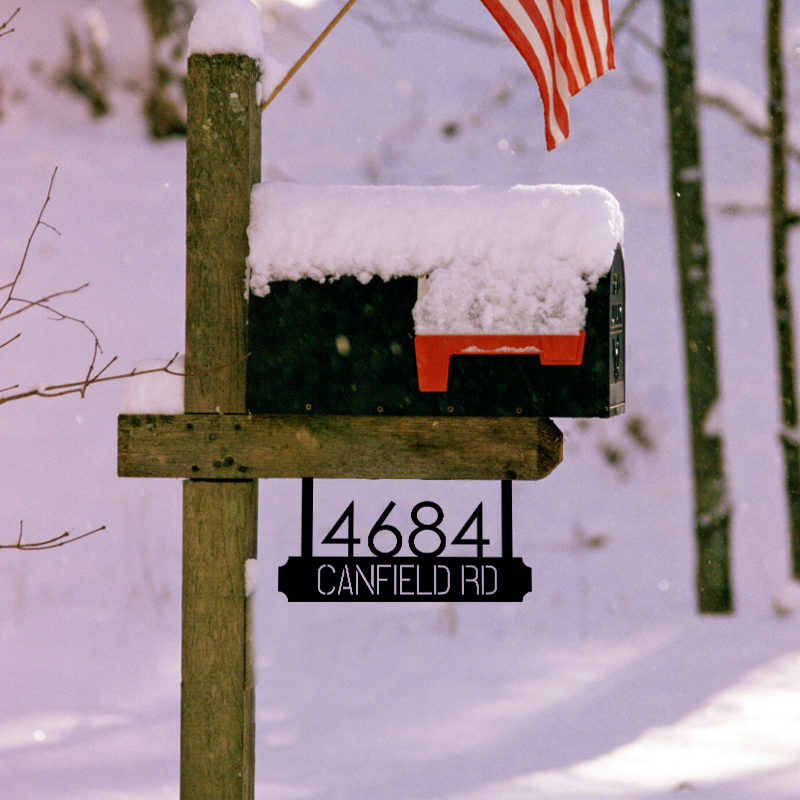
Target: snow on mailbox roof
x=501, y=260
x=227, y=26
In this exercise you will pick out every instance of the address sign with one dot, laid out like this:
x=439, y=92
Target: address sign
x=426, y=555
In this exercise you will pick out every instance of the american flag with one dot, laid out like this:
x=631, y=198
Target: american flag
x=566, y=43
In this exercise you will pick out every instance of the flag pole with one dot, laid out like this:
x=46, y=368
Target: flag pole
x=317, y=42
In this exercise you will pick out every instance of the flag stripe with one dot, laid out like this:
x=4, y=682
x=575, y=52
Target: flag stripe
x=592, y=23
x=526, y=26
x=539, y=12
x=575, y=51
x=606, y=29
x=566, y=44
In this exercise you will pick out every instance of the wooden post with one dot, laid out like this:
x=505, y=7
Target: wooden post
x=217, y=721
x=223, y=160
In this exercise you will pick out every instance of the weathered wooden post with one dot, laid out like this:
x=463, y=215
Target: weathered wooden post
x=223, y=161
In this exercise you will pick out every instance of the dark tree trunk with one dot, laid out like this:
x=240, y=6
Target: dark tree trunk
x=164, y=107
x=781, y=221
x=712, y=513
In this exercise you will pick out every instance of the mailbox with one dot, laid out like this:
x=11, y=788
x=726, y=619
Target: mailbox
x=452, y=301
x=347, y=347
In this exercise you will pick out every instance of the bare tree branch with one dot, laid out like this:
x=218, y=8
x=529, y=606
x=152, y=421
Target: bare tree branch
x=644, y=40
x=717, y=99
x=754, y=120
x=26, y=304
x=624, y=16
x=93, y=375
x=80, y=387
x=425, y=17
x=13, y=285
x=48, y=544
x=45, y=304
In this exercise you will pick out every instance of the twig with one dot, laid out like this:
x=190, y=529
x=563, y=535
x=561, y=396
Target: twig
x=48, y=544
x=428, y=19
x=80, y=387
x=624, y=16
x=13, y=338
x=755, y=127
x=97, y=376
x=26, y=304
x=3, y=31
x=13, y=284
x=60, y=316
x=643, y=39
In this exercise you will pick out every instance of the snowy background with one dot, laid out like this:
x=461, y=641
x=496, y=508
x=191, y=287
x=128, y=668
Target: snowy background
x=604, y=681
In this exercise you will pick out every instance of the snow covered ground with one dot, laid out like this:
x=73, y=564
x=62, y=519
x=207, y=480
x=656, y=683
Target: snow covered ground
x=604, y=681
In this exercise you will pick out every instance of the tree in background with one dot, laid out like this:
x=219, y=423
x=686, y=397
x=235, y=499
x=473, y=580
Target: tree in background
x=781, y=221
x=712, y=508
x=87, y=74
x=168, y=22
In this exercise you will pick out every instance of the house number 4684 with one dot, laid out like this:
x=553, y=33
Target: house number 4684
x=426, y=516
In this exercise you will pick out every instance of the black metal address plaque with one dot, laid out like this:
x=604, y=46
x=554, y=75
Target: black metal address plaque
x=429, y=574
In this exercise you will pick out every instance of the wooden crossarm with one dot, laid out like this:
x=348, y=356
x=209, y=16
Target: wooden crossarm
x=241, y=446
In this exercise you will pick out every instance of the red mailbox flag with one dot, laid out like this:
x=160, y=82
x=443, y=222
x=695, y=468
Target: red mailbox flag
x=566, y=43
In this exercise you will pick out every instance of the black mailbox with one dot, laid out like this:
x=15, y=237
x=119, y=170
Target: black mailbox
x=346, y=347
